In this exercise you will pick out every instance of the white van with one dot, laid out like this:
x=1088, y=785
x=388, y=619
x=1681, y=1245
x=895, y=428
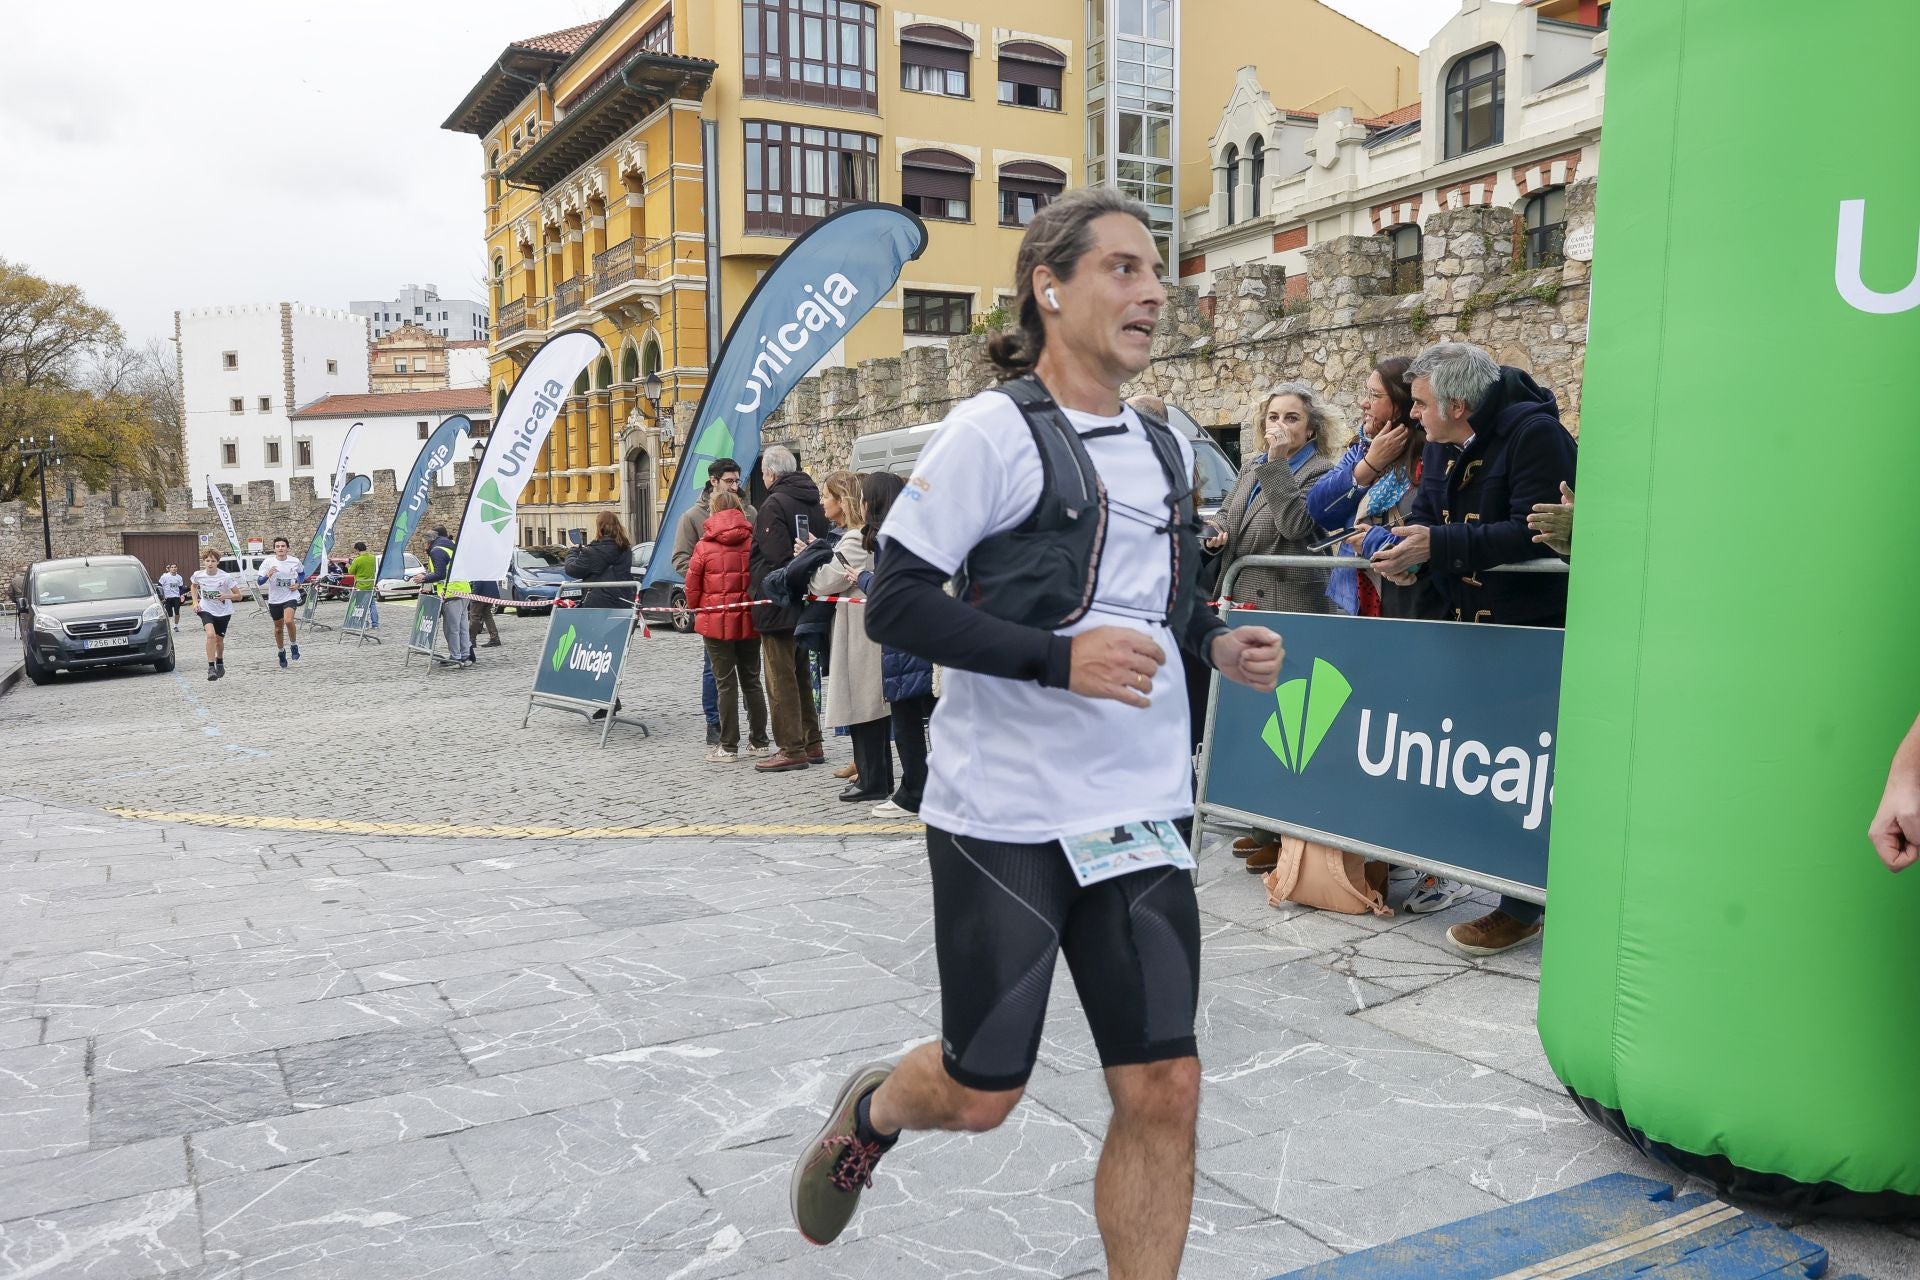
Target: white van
x=897, y=450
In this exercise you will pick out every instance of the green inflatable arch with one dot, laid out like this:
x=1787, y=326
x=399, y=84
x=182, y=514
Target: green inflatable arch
x=1732, y=980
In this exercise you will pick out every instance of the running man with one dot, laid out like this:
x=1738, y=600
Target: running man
x=172, y=586
x=214, y=591
x=280, y=572
x=1062, y=720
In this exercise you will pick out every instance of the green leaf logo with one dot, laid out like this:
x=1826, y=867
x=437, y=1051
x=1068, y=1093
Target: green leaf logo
x=715, y=442
x=495, y=510
x=564, y=648
x=1307, y=711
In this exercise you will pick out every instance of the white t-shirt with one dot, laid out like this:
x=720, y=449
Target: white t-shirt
x=170, y=585
x=282, y=575
x=213, y=589
x=1014, y=761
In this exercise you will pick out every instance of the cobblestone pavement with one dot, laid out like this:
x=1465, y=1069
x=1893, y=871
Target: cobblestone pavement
x=254, y=1053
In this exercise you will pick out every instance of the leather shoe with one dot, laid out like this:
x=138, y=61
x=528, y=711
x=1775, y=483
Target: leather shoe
x=1264, y=859
x=816, y=755
x=491, y=644
x=855, y=795
x=1245, y=846
x=781, y=764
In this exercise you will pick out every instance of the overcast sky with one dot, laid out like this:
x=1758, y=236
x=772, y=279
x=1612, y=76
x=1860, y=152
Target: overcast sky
x=170, y=156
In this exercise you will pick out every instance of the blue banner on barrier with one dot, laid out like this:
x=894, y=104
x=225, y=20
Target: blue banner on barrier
x=1432, y=738
x=582, y=657
x=426, y=620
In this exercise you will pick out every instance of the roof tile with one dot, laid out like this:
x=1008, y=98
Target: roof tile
x=469, y=400
x=1403, y=115
x=567, y=41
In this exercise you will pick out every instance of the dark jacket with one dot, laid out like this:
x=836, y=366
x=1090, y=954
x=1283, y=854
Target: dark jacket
x=439, y=561
x=718, y=573
x=903, y=675
x=787, y=585
x=602, y=560
x=792, y=495
x=1475, y=502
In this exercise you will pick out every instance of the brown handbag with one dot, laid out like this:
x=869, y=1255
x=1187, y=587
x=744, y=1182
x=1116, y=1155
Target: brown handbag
x=1328, y=879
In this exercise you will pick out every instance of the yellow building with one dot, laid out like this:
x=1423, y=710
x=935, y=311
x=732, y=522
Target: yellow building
x=626, y=156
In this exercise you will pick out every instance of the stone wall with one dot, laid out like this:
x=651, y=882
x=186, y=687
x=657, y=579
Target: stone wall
x=93, y=525
x=1261, y=329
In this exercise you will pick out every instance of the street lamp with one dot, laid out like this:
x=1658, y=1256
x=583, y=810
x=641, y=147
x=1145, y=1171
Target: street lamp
x=650, y=391
x=31, y=448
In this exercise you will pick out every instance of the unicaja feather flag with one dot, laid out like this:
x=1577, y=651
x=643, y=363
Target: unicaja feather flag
x=218, y=501
x=483, y=544
x=436, y=455
x=317, y=550
x=323, y=536
x=813, y=295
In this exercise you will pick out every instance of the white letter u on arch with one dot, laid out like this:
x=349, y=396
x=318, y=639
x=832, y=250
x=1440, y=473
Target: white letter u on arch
x=1846, y=268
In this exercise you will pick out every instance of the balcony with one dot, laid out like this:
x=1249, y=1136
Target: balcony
x=627, y=276
x=520, y=325
x=566, y=298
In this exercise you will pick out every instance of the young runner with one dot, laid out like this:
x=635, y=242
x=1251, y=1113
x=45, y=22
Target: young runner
x=171, y=587
x=1061, y=763
x=214, y=591
x=280, y=572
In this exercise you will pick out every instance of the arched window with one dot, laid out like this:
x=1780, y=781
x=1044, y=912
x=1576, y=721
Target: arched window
x=650, y=358
x=629, y=364
x=935, y=59
x=1256, y=171
x=1406, y=258
x=499, y=284
x=1027, y=187
x=500, y=400
x=1545, y=217
x=1476, y=101
x=937, y=184
x=580, y=384
x=1230, y=158
x=602, y=373
x=493, y=175
x=1030, y=75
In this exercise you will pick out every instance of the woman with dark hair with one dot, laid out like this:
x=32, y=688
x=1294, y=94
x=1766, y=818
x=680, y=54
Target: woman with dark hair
x=608, y=558
x=856, y=690
x=906, y=679
x=1374, y=485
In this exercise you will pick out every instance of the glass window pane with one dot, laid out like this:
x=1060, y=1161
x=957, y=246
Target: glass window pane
x=1133, y=132
x=1160, y=77
x=1132, y=17
x=1159, y=55
x=1159, y=137
x=1160, y=19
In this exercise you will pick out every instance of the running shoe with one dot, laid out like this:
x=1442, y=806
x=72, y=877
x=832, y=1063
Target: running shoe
x=220, y=664
x=213, y=672
x=296, y=653
x=1491, y=934
x=760, y=752
x=1434, y=894
x=837, y=1166
x=720, y=755
x=283, y=659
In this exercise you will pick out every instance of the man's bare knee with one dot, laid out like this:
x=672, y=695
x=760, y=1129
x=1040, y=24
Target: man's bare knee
x=982, y=1112
x=1156, y=1092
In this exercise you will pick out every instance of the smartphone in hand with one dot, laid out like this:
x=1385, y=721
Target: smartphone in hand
x=1334, y=541
x=802, y=528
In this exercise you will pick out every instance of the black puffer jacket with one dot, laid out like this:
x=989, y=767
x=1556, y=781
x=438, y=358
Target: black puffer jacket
x=602, y=560
x=792, y=495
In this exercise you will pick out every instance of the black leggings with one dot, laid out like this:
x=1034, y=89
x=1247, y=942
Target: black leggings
x=1002, y=912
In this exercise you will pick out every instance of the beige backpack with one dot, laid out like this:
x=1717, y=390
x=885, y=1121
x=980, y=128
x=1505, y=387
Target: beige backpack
x=1329, y=879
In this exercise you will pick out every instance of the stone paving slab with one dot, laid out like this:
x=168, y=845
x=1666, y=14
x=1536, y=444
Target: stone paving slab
x=258, y=1052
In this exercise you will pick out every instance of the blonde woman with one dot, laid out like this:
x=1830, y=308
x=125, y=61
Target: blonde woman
x=856, y=689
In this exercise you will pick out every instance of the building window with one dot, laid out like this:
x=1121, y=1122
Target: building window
x=333, y=366
x=937, y=184
x=1545, y=218
x=1231, y=159
x=273, y=453
x=1151, y=18
x=1027, y=187
x=229, y=359
x=1030, y=75
x=936, y=315
x=303, y=453
x=797, y=175
x=419, y=364
x=1256, y=172
x=229, y=453
x=73, y=494
x=1406, y=258
x=823, y=52
x=935, y=59
x=1476, y=101
x=113, y=496
x=236, y=405
x=659, y=36
x=266, y=404
x=422, y=430
x=400, y=366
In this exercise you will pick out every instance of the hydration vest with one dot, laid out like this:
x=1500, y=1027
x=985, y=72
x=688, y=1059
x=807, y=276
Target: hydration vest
x=1042, y=572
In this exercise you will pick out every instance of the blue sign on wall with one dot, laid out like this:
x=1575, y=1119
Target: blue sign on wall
x=582, y=657
x=1432, y=738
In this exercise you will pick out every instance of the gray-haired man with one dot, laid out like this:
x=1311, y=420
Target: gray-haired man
x=1495, y=448
x=791, y=496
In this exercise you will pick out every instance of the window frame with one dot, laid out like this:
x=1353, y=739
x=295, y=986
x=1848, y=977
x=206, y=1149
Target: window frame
x=658, y=38
x=817, y=157
x=790, y=23
x=933, y=167
x=1038, y=68
x=1231, y=159
x=271, y=452
x=936, y=47
x=236, y=404
x=915, y=312
x=1026, y=179
x=1408, y=276
x=1256, y=156
x=1544, y=244
x=263, y=404
x=229, y=453
x=303, y=453
x=1460, y=83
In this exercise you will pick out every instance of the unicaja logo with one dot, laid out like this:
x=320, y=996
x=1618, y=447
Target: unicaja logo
x=1307, y=711
x=560, y=650
x=1846, y=268
x=495, y=511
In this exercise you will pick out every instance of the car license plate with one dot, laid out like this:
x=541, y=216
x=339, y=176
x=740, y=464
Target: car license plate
x=107, y=642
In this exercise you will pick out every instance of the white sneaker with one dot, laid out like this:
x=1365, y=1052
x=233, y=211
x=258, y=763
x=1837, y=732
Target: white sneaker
x=888, y=809
x=720, y=755
x=760, y=753
x=1434, y=894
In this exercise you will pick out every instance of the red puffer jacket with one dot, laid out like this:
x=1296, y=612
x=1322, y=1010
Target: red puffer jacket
x=719, y=574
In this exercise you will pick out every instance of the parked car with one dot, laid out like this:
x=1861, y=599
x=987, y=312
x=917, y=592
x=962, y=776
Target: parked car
x=90, y=611
x=666, y=600
x=402, y=586
x=533, y=580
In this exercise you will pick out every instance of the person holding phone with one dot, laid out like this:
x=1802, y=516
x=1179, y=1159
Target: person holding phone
x=789, y=515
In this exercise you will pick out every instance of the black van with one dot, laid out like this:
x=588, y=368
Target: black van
x=90, y=611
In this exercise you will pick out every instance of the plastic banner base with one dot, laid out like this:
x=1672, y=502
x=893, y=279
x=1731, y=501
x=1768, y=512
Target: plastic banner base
x=1613, y=1226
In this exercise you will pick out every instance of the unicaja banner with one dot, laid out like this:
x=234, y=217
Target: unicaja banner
x=316, y=553
x=483, y=544
x=436, y=455
x=218, y=502
x=812, y=297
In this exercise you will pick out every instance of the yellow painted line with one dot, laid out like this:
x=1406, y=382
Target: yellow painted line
x=357, y=827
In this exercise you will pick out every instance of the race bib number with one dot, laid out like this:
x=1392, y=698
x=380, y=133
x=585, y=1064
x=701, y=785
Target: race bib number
x=1116, y=851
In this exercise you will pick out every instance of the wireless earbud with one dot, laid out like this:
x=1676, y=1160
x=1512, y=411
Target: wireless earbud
x=1053, y=299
